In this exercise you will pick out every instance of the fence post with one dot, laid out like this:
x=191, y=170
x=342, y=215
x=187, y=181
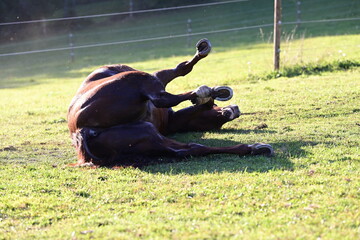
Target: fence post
x=189, y=30
x=298, y=13
x=277, y=33
x=131, y=8
x=71, y=45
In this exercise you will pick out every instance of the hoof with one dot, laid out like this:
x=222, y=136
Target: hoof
x=203, y=47
x=262, y=149
x=231, y=112
x=222, y=93
x=200, y=101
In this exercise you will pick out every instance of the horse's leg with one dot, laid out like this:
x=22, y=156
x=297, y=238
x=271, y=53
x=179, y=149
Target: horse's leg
x=193, y=149
x=124, y=144
x=154, y=91
x=202, y=117
x=203, y=49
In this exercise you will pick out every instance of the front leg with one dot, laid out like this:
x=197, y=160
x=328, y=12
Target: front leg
x=162, y=99
x=203, y=48
x=205, y=94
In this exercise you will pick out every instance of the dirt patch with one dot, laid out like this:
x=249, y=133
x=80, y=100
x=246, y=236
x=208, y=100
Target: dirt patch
x=9, y=149
x=261, y=126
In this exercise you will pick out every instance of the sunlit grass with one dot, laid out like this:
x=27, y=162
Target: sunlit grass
x=309, y=190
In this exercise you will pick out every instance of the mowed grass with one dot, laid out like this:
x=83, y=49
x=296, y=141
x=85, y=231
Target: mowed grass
x=309, y=190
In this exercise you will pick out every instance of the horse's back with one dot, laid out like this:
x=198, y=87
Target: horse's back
x=113, y=100
x=108, y=71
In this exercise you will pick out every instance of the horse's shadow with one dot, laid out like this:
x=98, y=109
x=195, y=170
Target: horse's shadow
x=284, y=151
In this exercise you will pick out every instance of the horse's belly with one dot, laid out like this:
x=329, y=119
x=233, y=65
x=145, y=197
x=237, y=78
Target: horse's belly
x=157, y=116
x=101, y=114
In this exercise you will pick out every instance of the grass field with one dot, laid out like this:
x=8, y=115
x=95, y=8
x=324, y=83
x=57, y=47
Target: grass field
x=309, y=190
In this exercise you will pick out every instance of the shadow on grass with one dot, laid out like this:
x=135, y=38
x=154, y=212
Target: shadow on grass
x=284, y=151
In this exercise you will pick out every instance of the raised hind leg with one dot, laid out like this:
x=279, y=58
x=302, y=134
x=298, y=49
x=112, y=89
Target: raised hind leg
x=203, y=48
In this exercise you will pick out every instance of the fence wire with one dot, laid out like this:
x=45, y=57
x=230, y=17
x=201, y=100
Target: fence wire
x=135, y=40
x=189, y=34
x=121, y=13
x=175, y=36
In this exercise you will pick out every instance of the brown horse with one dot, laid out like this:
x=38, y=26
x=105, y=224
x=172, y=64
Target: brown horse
x=119, y=116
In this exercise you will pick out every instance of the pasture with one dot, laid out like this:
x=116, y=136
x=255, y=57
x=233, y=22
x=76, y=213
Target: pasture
x=309, y=190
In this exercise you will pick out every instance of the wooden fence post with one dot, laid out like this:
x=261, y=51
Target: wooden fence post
x=71, y=45
x=277, y=33
x=131, y=8
x=298, y=13
x=189, y=30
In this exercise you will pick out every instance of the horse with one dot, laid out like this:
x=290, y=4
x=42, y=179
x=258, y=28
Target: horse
x=120, y=116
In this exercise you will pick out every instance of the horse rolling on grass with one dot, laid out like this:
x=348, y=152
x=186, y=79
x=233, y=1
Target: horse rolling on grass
x=120, y=116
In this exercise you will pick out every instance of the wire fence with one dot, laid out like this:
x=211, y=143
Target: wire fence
x=122, y=13
x=136, y=40
x=267, y=23
x=174, y=36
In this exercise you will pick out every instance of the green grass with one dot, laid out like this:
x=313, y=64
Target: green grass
x=309, y=190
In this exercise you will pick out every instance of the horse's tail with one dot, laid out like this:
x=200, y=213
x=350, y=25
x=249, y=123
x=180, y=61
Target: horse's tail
x=85, y=156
